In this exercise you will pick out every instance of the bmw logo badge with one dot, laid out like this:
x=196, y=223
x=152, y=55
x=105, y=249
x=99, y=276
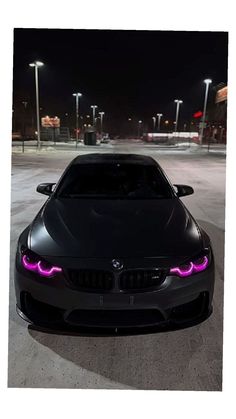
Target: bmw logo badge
x=117, y=264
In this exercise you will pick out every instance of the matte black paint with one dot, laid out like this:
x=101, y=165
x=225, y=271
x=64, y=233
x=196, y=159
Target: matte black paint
x=115, y=228
x=90, y=233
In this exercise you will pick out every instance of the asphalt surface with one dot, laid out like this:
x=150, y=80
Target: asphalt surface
x=189, y=359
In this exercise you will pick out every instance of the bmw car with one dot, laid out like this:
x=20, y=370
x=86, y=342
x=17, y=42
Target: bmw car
x=114, y=250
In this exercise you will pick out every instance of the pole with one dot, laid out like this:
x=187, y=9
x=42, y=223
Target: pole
x=177, y=116
x=159, y=115
x=139, y=128
x=204, y=114
x=77, y=117
x=101, y=121
x=154, y=123
x=76, y=95
x=177, y=101
x=94, y=116
x=23, y=133
x=37, y=105
x=24, y=130
x=54, y=135
x=94, y=110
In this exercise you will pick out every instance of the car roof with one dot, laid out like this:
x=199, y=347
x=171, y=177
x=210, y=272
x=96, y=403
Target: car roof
x=113, y=158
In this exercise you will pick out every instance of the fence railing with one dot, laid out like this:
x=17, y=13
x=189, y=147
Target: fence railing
x=169, y=143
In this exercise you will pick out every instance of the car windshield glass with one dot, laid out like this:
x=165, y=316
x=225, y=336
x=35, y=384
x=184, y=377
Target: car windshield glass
x=118, y=180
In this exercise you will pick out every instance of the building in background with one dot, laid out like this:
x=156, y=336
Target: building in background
x=216, y=129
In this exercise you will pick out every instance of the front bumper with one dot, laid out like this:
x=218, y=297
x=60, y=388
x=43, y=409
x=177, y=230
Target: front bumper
x=178, y=303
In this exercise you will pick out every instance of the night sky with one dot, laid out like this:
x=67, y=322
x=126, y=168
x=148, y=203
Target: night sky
x=126, y=73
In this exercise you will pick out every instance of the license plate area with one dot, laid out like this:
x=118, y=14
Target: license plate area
x=115, y=300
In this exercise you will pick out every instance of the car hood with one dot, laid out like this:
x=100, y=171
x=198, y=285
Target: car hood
x=88, y=228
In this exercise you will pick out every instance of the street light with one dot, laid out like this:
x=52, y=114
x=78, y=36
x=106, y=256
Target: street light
x=178, y=102
x=129, y=127
x=101, y=114
x=77, y=95
x=36, y=65
x=24, y=125
x=139, y=125
x=94, y=110
x=207, y=82
x=25, y=106
x=159, y=120
x=154, y=123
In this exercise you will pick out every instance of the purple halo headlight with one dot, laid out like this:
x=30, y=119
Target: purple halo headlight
x=192, y=267
x=37, y=265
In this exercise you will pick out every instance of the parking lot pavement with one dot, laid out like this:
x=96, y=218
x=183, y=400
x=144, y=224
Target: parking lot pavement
x=189, y=359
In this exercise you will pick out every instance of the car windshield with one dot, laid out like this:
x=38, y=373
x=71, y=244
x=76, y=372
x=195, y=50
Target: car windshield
x=123, y=181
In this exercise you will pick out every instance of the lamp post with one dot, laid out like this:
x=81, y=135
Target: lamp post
x=24, y=122
x=154, y=123
x=159, y=115
x=139, y=126
x=101, y=115
x=129, y=127
x=36, y=65
x=94, y=110
x=25, y=106
x=178, y=102
x=207, y=82
x=77, y=95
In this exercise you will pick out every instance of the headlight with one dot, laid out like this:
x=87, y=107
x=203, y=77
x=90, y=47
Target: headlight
x=35, y=263
x=191, y=268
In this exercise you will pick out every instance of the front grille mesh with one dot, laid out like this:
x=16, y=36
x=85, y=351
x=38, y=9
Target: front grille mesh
x=91, y=280
x=136, y=280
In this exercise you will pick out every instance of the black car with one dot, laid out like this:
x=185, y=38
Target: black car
x=114, y=249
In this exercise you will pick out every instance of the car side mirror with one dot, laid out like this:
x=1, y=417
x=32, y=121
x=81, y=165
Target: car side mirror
x=183, y=190
x=45, y=188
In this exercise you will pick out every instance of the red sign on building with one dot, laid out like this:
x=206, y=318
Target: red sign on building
x=197, y=114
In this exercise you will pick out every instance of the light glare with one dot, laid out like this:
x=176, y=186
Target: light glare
x=207, y=81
